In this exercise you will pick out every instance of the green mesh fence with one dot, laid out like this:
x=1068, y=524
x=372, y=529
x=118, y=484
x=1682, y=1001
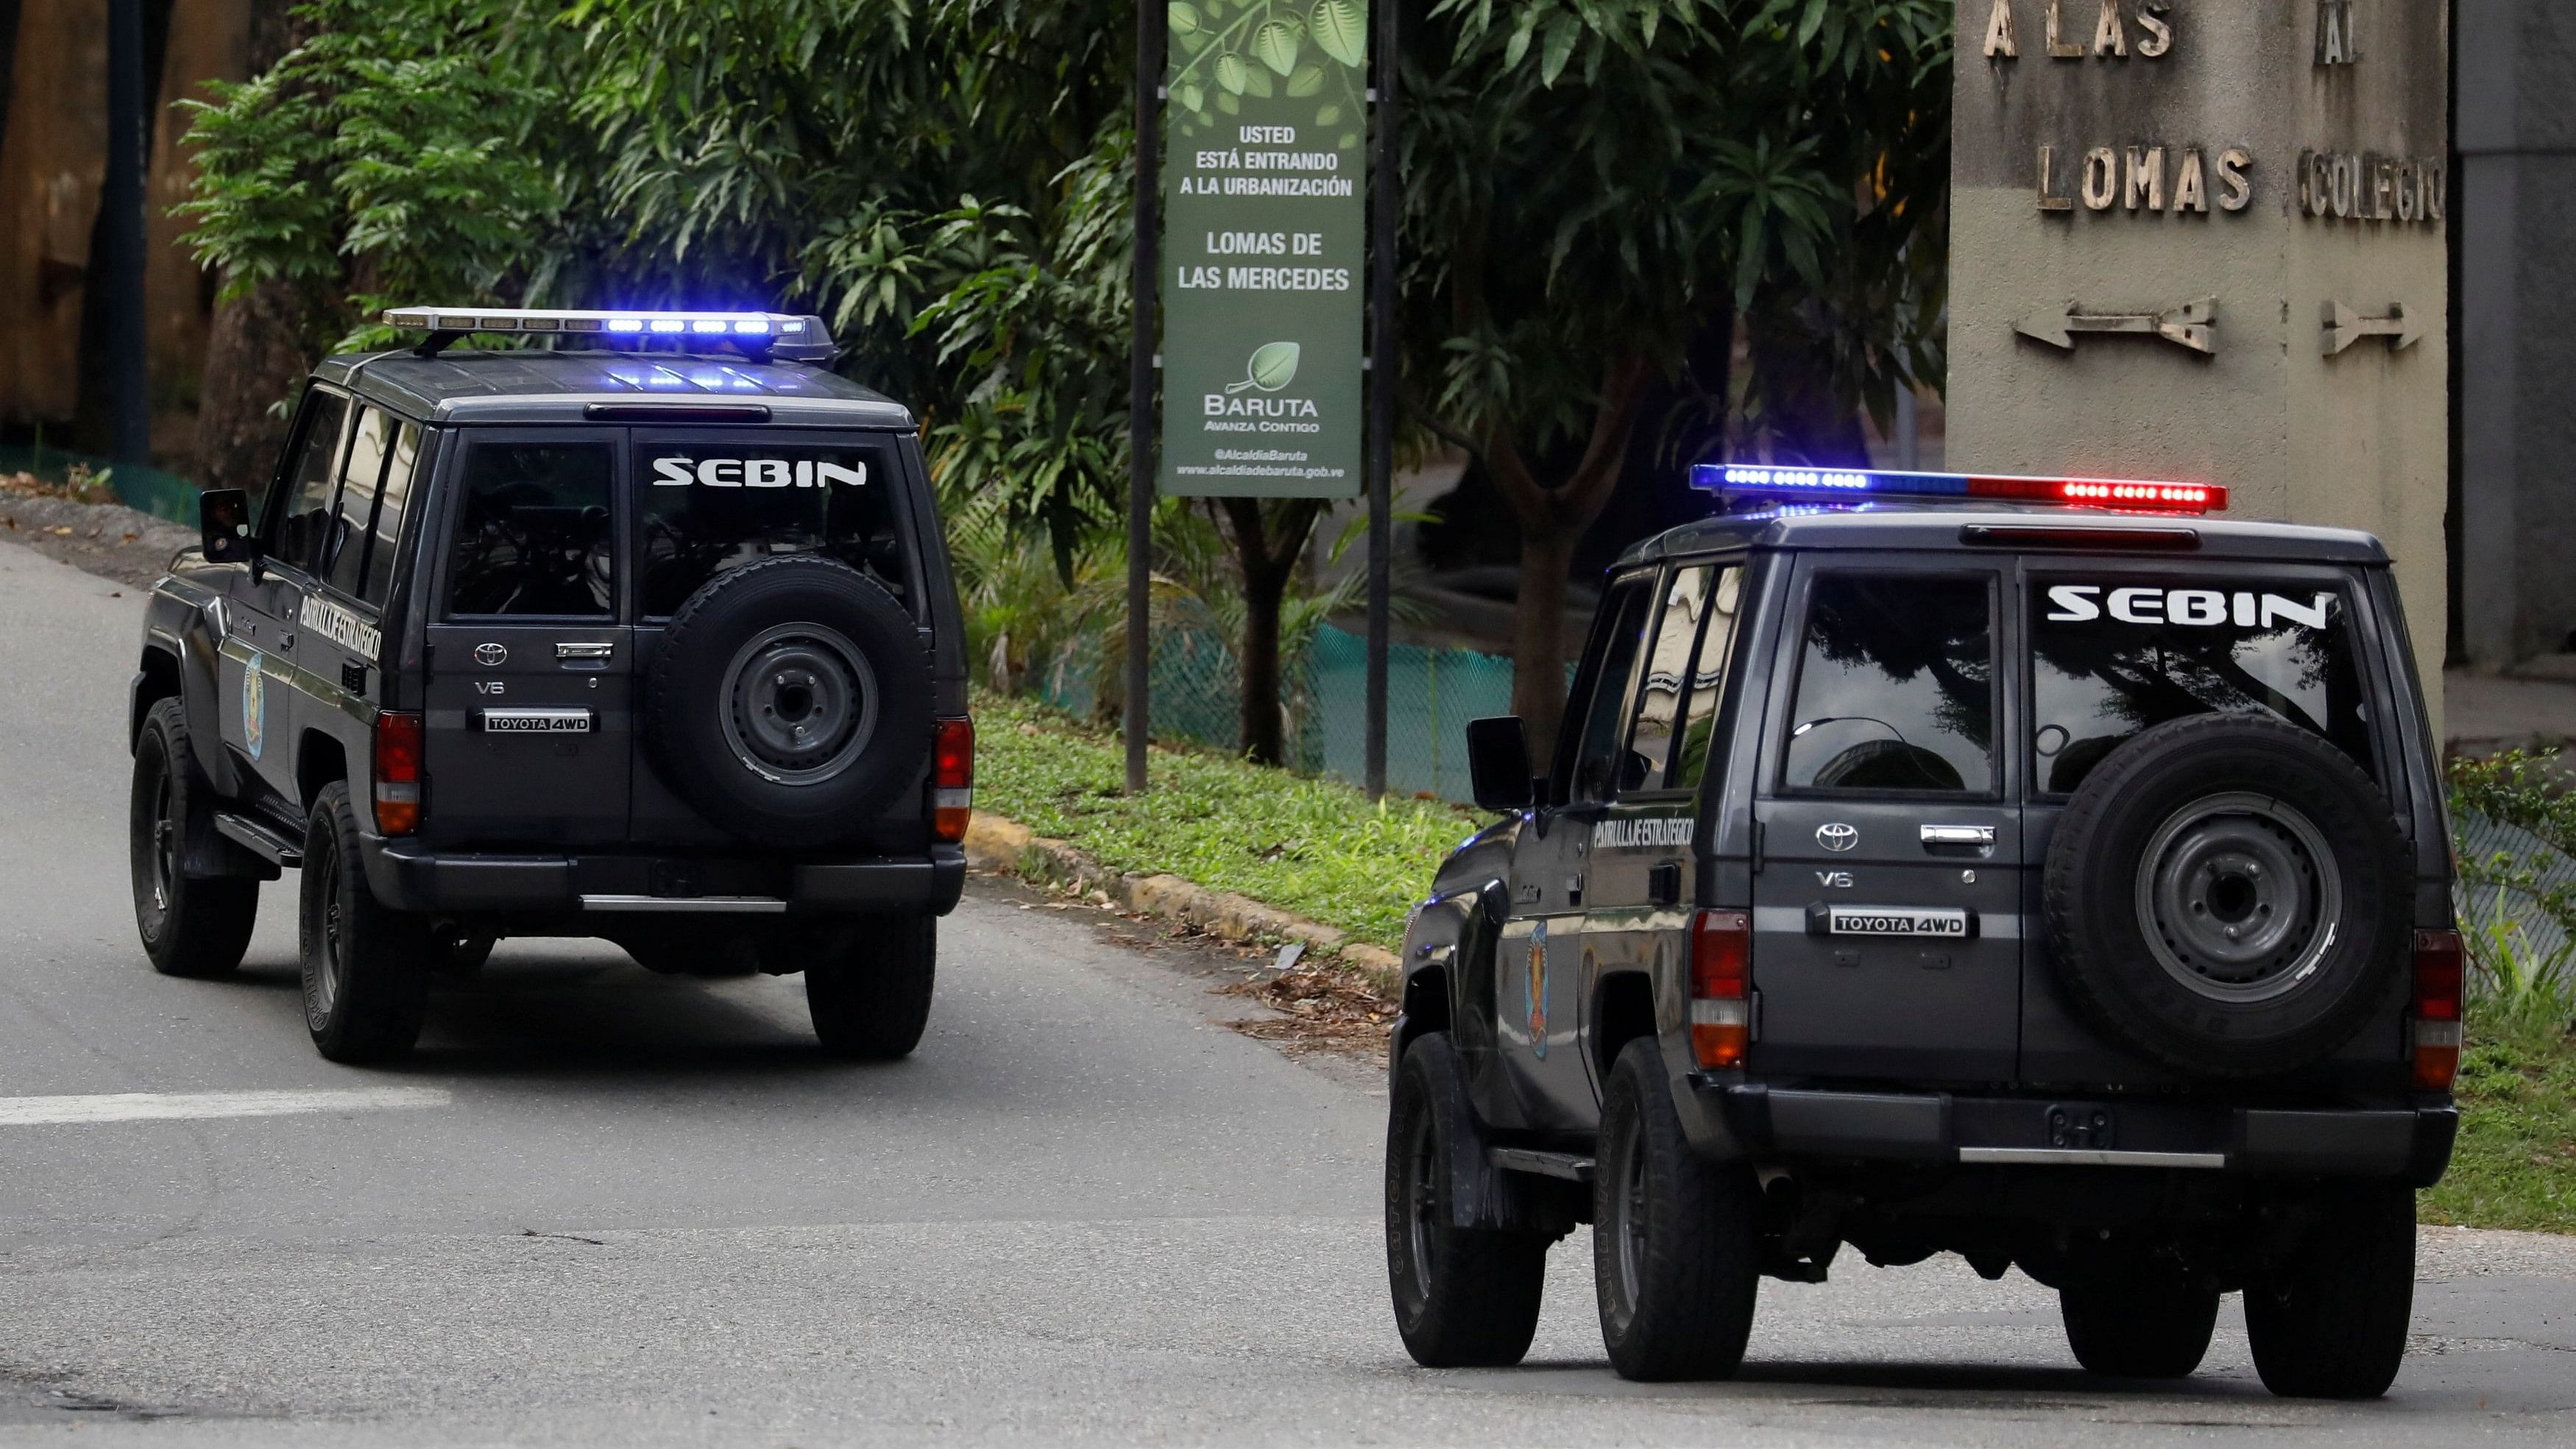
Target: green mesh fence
x=1431, y=694
x=163, y=495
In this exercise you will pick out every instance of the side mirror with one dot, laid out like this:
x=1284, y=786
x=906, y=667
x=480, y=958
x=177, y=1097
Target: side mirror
x=1498, y=764
x=223, y=525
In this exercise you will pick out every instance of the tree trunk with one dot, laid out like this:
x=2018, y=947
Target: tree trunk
x=1538, y=638
x=255, y=354
x=1268, y=536
x=1264, y=727
x=256, y=349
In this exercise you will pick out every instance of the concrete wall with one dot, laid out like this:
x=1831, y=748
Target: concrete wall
x=51, y=163
x=52, y=160
x=2517, y=217
x=2359, y=439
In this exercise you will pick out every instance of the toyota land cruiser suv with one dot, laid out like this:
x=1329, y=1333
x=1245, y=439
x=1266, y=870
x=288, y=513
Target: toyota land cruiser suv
x=1924, y=868
x=648, y=635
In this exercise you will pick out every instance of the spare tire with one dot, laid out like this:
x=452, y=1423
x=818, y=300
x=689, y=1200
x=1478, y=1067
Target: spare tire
x=791, y=700
x=2227, y=895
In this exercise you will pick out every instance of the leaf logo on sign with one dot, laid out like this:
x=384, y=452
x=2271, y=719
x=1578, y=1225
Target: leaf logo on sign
x=1275, y=45
x=1337, y=28
x=1273, y=366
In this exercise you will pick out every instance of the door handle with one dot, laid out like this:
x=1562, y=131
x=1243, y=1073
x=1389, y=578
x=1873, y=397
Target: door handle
x=590, y=650
x=1979, y=835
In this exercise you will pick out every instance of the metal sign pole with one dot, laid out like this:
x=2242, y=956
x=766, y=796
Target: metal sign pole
x=1138, y=723
x=1385, y=198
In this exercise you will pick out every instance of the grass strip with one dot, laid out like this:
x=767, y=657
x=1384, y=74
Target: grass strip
x=2515, y=1166
x=1316, y=848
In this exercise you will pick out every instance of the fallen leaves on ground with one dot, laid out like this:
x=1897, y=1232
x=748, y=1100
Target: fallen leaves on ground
x=1327, y=1008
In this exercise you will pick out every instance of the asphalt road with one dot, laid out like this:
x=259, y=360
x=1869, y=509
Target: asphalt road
x=603, y=1207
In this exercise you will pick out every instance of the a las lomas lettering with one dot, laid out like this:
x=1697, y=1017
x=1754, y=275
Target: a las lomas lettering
x=755, y=473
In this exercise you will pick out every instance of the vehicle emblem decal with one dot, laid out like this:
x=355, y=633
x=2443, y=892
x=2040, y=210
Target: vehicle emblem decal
x=1536, y=999
x=491, y=656
x=255, y=705
x=1837, y=837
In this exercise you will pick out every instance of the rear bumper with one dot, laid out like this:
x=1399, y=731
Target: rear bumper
x=1750, y=1119
x=408, y=877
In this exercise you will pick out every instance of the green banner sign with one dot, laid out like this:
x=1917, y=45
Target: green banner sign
x=1265, y=189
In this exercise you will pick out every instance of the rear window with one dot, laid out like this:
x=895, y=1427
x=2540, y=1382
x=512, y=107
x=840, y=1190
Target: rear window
x=2112, y=658
x=707, y=508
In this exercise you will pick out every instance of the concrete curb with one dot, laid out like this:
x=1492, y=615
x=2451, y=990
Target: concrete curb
x=1006, y=847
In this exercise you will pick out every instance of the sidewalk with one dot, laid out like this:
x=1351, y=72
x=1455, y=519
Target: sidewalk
x=2490, y=712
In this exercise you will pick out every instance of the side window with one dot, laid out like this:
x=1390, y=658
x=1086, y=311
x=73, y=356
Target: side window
x=391, y=505
x=1667, y=678
x=1708, y=680
x=303, y=522
x=1895, y=686
x=534, y=536
x=1601, y=759
x=344, y=558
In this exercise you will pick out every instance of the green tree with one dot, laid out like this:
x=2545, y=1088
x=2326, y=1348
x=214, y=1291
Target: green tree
x=1589, y=187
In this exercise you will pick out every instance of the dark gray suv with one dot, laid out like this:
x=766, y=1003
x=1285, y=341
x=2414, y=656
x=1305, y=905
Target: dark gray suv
x=647, y=634
x=2034, y=870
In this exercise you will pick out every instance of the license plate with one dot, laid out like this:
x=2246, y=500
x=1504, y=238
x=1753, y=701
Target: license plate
x=536, y=721
x=1941, y=923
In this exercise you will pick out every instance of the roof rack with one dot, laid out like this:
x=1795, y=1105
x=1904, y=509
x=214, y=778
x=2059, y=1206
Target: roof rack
x=776, y=336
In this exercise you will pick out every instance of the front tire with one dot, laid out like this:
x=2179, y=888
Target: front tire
x=870, y=997
x=190, y=927
x=2150, y=1323
x=2331, y=1322
x=1675, y=1245
x=366, y=968
x=1464, y=1297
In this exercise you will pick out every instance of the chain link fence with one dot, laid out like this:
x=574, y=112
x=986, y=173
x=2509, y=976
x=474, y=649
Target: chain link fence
x=2510, y=879
x=1431, y=694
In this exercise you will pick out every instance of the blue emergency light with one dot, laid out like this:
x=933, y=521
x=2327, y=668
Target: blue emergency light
x=1856, y=485
x=772, y=334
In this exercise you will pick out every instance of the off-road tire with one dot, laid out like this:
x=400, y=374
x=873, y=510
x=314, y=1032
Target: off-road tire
x=868, y=682
x=1676, y=1251
x=1464, y=1297
x=870, y=1000
x=190, y=927
x=2150, y=1323
x=365, y=968
x=2330, y=1323
x=2138, y=881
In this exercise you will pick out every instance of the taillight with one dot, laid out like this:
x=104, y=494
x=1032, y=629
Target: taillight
x=952, y=780
x=2439, y=983
x=397, y=773
x=1721, y=1009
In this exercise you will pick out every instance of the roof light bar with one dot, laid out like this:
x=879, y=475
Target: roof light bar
x=793, y=338
x=1860, y=485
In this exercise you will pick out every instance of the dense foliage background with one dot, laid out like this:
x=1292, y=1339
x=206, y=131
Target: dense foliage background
x=1605, y=204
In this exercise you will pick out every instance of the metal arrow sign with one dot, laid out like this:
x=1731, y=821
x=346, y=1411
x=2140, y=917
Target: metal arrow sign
x=2189, y=325
x=2344, y=327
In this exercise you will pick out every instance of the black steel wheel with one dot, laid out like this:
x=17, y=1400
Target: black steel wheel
x=2228, y=896
x=1464, y=1297
x=365, y=968
x=1675, y=1248
x=791, y=701
x=190, y=926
